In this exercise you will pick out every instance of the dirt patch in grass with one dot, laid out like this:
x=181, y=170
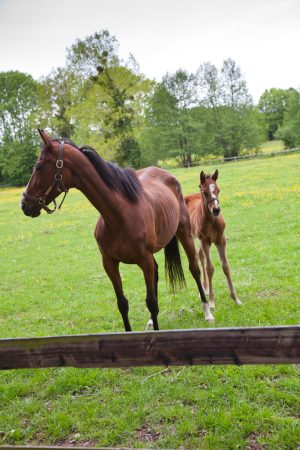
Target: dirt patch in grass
x=266, y=294
x=146, y=434
x=253, y=443
x=72, y=442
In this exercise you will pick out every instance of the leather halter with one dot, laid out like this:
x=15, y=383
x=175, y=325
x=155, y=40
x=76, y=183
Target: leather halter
x=207, y=202
x=57, y=184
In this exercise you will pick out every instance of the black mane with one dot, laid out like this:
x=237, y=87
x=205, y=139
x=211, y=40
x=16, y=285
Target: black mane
x=117, y=179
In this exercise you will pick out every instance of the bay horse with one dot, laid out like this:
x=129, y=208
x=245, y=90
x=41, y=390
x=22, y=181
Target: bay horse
x=141, y=213
x=208, y=226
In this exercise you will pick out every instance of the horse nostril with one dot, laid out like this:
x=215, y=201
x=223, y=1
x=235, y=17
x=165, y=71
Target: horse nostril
x=23, y=205
x=216, y=211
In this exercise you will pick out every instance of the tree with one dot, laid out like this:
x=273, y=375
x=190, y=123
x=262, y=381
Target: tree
x=234, y=92
x=172, y=127
x=273, y=105
x=84, y=56
x=111, y=96
x=225, y=95
x=18, y=142
x=57, y=93
x=289, y=131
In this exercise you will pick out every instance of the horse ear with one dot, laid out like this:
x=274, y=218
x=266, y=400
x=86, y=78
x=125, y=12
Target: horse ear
x=215, y=175
x=202, y=177
x=45, y=137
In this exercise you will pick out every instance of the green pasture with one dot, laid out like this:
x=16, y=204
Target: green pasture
x=53, y=283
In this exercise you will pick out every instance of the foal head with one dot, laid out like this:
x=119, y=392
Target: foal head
x=210, y=191
x=50, y=177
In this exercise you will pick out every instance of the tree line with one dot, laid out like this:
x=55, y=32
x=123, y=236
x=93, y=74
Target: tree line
x=101, y=100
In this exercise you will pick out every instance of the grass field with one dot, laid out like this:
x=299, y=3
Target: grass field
x=52, y=282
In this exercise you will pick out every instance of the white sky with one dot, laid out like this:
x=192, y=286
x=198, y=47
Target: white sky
x=262, y=36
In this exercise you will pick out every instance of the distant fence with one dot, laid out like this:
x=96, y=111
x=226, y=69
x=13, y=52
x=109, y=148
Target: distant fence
x=241, y=158
x=258, y=345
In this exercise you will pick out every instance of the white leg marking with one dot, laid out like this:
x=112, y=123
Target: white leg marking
x=149, y=325
x=212, y=304
x=207, y=313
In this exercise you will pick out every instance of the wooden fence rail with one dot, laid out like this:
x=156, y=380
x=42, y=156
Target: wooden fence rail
x=258, y=345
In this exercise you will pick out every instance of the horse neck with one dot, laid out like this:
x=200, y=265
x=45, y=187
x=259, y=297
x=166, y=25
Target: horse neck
x=205, y=213
x=109, y=203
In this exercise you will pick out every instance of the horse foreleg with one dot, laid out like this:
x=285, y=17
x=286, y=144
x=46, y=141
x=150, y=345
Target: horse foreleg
x=111, y=267
x=226, y=269
x=150, y=271
x=185, y=237
x=149, y=325
x=210, y=271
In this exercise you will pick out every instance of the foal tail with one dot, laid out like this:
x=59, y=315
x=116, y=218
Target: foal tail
x=173, y=267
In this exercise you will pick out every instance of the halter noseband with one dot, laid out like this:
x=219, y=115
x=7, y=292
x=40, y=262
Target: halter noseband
x=57, y=183
x=208, y=201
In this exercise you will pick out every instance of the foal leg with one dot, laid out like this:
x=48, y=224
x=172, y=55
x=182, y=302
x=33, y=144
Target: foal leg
x=185, y=237
x=149, y=268
x=202, y=260
x=210, y=271
x=149, y=325
x=111, y=267
x=226, y=269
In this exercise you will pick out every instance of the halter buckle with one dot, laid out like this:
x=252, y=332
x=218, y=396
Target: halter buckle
x=59, y=163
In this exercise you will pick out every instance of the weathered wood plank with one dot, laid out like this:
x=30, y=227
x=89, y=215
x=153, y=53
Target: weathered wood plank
x=258, y=345
x=29, y=447
x=60, y=448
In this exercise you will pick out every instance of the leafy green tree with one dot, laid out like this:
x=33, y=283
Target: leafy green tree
x=57, y=93
x=173, y=128
x=234, y=92
x=225, y=95
x=18, y=141
x=112, y=94
x=289, y=131
x=84, y=56
x=273, y=104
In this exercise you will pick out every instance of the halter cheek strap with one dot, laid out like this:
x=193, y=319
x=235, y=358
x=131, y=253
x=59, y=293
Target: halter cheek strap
x=208, y=201
x=57, y=183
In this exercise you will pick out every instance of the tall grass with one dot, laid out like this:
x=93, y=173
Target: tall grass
x=52, y=282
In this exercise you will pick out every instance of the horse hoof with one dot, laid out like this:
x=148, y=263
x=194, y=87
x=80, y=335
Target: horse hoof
x=238, y=302
x=149, y=325
x=210, y=319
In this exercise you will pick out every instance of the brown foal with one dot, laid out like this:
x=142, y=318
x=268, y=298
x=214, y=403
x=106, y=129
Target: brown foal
x=208, y=226
x=141, y=213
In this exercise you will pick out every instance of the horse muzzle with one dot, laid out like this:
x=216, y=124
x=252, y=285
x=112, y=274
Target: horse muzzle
x=216, y=211
x=30, y=209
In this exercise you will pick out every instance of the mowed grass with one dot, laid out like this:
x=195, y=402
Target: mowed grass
x=52, y=282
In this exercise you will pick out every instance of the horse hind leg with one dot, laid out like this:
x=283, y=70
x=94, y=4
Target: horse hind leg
x=185, y=237
x=111, y=267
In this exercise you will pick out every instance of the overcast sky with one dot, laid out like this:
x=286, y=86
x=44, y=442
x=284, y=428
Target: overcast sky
x=262, y=36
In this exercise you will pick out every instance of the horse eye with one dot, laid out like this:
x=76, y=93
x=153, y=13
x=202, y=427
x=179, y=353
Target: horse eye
x=38, y=167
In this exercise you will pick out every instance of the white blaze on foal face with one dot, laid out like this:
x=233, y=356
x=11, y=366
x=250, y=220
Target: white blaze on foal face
x=212, y=189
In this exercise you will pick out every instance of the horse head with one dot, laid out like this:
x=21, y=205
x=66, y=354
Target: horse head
x=210, y=192
x=50, y=177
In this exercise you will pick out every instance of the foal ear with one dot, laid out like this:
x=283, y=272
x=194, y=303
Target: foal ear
x=202, y=177
x=215, y=175
x=45, y=137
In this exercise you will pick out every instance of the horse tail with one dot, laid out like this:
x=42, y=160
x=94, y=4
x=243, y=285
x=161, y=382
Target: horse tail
x=173, y=267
